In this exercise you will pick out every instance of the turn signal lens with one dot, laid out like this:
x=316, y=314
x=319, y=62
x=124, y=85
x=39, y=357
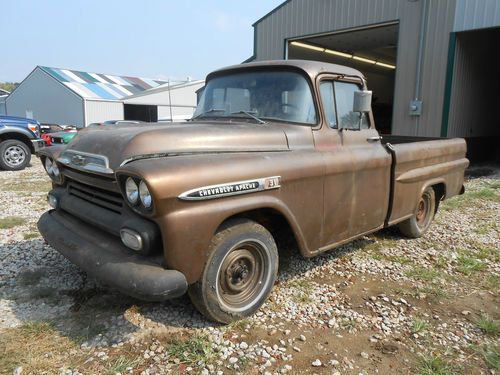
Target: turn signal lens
x=145, y=194
x=131, y=190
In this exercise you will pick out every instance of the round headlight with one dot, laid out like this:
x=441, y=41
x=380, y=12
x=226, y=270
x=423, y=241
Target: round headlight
x=131, y=190
x=145, y=194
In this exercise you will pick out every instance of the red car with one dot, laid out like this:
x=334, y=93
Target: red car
x=53, y=131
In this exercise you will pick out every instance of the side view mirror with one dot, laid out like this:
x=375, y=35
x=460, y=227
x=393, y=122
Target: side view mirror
x=362, y=101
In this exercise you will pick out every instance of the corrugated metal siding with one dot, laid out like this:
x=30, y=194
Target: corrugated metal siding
x=48, y=99
x=305, y=17
x=439, y=24
x=99, y=111
x=476, y=14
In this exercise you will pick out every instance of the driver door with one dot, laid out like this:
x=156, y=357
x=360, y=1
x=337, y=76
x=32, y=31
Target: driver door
x=357, y=166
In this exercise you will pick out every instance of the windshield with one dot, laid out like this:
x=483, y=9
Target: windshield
x=271, y=95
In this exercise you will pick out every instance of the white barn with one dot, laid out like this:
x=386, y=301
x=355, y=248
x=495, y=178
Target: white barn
x=70, y=97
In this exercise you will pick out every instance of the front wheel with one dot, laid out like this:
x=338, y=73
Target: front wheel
x=240, y=271
x=14, y=155
x=420, y=222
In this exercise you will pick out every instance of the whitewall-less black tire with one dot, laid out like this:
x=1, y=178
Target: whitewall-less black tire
x=420, y=222
x=239, y=273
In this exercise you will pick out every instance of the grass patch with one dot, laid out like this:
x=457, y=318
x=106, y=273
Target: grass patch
x=488, y=326
x=488, y=193
x=419, y=325
x=433, y=365
x=485, y=194
x=422, y=273
x=36, y=328
x=495, y=185
x=468, y=265
x=11, y=222
x=303, y=291
x=40, y=186
x=28, y=345
x=488, y=253
x=491, y=355
x=122, y=363
x=196, y=351
x=492, y=283
x=433, y=290
x=441, y=262
x=31, y=235
x=348, y=324
x=239, y=325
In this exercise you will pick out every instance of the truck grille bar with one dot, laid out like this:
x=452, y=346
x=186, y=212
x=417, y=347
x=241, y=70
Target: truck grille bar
x=102, y=198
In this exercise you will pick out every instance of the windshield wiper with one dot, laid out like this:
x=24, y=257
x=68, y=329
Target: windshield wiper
x=211, y=110
x=249, y=114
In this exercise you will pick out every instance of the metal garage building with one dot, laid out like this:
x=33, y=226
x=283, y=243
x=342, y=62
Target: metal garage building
x=62, y=96
x=431, y=64
x=170, y=102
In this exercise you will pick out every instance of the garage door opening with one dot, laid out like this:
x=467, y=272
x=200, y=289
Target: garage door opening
x=474, y=94
x=372, y=51
x=148, y=113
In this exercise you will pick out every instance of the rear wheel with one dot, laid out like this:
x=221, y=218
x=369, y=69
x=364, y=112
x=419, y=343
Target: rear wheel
x=239, y=274
x=14, y=155
x=419, y=223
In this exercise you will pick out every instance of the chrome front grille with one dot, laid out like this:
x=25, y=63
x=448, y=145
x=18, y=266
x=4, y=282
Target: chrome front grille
x=103, y=198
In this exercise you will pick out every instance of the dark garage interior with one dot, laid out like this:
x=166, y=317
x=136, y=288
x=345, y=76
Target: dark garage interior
x=474, y=94
x=148, y=113
x=371, y=50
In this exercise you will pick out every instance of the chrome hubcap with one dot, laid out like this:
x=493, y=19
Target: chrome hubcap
x=14, y=156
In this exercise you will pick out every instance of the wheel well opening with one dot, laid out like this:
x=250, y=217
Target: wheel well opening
x=276, y=224
x=440, y=192
x=18, y=137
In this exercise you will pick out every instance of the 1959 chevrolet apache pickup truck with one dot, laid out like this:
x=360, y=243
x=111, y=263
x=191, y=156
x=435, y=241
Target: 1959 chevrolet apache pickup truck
x=276, y=150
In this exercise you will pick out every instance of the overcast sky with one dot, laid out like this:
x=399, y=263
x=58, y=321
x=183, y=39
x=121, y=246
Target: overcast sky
x=153, y=39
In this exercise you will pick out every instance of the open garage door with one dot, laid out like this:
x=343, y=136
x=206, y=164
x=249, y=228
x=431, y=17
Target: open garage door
x=139, y=112
x=371, y=50
x=474, y=96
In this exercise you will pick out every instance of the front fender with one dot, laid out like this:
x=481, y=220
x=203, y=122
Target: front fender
x=188, y=231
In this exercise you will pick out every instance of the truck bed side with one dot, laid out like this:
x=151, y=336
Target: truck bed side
x=417, y=165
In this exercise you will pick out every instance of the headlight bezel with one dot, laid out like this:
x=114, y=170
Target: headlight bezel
x=139, y=206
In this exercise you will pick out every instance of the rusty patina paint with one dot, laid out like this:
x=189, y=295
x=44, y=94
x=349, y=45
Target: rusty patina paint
x=334, y=185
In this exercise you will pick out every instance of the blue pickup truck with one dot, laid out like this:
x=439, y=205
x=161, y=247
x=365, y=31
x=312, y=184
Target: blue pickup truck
x=19, y=139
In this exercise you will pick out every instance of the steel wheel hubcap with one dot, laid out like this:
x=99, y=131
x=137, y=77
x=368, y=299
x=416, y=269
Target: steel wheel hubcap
x=242, y=275
x=14, y=155
x=422, y=211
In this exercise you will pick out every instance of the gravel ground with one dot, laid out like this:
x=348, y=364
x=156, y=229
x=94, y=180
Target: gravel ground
x=381, y=304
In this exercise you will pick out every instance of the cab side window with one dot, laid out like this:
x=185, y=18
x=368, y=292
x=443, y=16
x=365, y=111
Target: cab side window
x=344, y=96
x=326, y=90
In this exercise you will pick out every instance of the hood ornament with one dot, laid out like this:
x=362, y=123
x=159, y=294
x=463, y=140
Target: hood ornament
x=85, y=161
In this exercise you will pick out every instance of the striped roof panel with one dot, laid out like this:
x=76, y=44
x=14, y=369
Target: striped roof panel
x=101, y=86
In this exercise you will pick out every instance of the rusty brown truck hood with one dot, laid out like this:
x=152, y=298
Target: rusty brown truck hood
x=123, y=143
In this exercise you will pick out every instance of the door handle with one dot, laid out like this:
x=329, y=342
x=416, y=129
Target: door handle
x=374, y=139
